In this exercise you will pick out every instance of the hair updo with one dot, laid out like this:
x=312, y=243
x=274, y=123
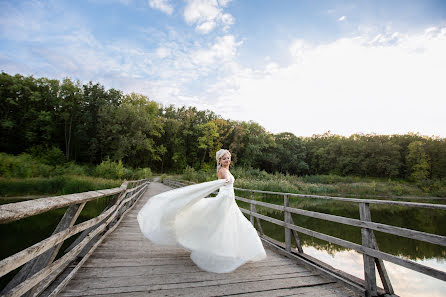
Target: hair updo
x=218, y=156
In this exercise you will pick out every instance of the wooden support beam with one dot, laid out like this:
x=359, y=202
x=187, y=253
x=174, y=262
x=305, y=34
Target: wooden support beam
x=387, y=285
x=369, y=262
x=296, y=238
x=252, y=208
x=287, y=218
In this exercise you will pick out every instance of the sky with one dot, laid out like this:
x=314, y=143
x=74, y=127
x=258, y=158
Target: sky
x=306, y=67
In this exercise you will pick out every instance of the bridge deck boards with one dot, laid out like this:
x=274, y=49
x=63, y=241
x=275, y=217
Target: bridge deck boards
x=127, y=264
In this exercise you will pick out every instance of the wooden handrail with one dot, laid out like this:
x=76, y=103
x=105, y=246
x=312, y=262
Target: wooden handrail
x=19, y=210
x=371, y=201
x=413, y=234
x=39, y=270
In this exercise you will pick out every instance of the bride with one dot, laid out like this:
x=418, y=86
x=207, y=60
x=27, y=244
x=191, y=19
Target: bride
x=214, y=230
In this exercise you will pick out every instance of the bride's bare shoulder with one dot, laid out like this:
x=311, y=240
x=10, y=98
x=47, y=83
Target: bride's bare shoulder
x=222, y=172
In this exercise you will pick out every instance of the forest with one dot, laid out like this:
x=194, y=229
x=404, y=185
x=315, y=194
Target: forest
x=71, y=121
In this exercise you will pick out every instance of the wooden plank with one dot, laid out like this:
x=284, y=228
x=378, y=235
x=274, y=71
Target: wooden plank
x=204, y=288
x=148, y=270
x=325, y=290
x=309, y=262
x=178, y=280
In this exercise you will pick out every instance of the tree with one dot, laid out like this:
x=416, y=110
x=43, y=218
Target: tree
x=418, y=161
x=209, y=142
x=291, y=153
x=71, y=97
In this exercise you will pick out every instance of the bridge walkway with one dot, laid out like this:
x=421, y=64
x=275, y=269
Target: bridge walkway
x=128, y=264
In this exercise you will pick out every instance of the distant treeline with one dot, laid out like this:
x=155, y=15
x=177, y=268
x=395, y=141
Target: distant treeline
x=90, y=124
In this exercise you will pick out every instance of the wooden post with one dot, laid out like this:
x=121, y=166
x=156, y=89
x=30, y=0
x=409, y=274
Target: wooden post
x=382, y=270
x=252, y=208
x=369, y=262
x=287, y=218
x=296, y=238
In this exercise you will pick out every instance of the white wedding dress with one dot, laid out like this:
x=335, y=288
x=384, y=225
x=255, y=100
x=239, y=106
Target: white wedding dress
x=213, y=229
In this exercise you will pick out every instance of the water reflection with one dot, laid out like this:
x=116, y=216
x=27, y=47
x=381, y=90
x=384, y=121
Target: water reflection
x=405, y=282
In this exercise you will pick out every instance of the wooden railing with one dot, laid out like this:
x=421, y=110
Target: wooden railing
x=372, y=256
x=40, y=274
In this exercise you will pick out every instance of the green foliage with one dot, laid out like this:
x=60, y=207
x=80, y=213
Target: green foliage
x=190, y=174
x=27, y=166
x=253, y=178
x=417, y=162
x=142, y=173
x=89, y=124
x=48, y=155
x=22, y=166
x=110, y=169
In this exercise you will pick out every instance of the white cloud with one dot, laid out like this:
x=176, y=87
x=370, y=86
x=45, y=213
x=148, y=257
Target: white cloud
x=223, y=50
x=342, y=18
x=207, y=14
x=162, y=5
x=347, y=86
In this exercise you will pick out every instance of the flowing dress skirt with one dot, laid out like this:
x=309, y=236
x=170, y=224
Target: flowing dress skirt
x=214, y=230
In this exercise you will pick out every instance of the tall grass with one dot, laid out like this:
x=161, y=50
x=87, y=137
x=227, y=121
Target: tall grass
x=40, y=175
x=319, y=184
x=57, y=185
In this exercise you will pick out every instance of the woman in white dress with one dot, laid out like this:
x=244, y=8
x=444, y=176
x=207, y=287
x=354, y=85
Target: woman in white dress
x=214, y=230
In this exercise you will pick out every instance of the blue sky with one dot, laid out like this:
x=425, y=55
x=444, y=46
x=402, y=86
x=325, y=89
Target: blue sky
x=300, y=66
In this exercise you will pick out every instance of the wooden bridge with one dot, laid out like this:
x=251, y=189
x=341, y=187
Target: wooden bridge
x=111, y=257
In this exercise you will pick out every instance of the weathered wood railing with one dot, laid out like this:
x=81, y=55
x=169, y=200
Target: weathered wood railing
x=40, y=274
x=372, y=256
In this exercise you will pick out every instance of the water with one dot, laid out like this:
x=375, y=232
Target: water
x=404, y=281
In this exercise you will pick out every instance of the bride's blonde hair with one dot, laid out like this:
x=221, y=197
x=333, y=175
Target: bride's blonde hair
x=218, y=156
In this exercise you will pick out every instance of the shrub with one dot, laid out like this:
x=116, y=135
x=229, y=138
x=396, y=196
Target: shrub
x=51, y=156
x=142, y=173
x=189, y=173
x=22, y=165
x=110, y=169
